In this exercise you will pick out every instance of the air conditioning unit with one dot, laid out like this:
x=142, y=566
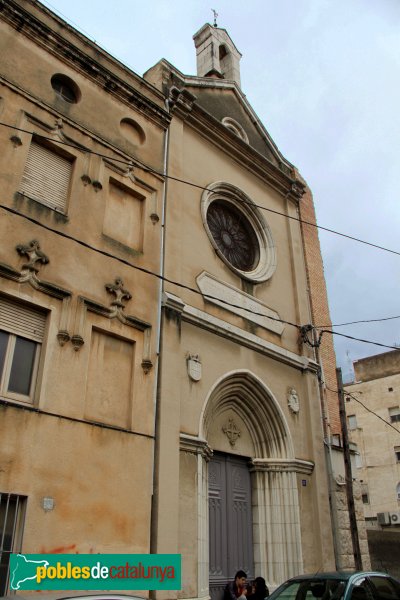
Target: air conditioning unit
x=383, y=518
x=394, y=518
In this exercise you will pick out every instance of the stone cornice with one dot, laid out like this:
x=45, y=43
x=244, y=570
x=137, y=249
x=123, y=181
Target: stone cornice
x=41, y=33
x=217, y=326
x=194, y=445
x=281, y=174
x=210, y=128
x=274, y=465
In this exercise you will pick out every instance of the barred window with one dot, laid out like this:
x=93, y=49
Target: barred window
x=12, y=515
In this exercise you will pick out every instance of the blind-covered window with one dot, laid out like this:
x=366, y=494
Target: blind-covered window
x=21, y=333
x=46, y=177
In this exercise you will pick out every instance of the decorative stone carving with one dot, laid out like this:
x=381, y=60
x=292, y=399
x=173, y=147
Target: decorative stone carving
x=86, y=180
x=194, y=366
x=16, y=141
x=194, y=445
x=298, y=189
x=181, y=101
x=97, y=186
x=231, y=431
x=147, y=365
x=63, y=337
x=77, y=342
x=129, y=172
x=34, y=254
x=28, y=274
x=293, y=400
x=117, y=288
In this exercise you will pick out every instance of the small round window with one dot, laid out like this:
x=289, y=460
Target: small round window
x=238, y=231
x=65, y=88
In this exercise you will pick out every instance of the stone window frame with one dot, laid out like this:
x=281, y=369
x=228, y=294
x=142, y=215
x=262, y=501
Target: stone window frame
x=65, y=88
x=236, y=128
x=230, y=194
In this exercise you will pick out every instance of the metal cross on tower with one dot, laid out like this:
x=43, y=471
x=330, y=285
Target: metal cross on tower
x=215, y=17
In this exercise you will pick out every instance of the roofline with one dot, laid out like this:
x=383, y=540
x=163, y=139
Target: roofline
x=204, y=82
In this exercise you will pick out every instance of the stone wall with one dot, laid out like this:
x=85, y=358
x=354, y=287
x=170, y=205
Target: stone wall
x=345, y=547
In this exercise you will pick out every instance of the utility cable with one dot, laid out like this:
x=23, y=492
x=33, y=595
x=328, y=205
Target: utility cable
x=143, y=269
x=350, y=337
x=185, y=182
x=366, y=408
x=357, y=322
x=300, y=328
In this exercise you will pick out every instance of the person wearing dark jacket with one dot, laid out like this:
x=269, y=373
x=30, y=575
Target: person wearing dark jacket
x=237, y=588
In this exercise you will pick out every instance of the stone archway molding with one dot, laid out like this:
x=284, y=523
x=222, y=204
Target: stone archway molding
x=274, y=468
x=254, y=402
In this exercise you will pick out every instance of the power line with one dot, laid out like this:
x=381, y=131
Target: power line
x=371, y=411
x=182, y=285
x=350, y=337
x=362, y=321
x=143, y=269
x=185, y=182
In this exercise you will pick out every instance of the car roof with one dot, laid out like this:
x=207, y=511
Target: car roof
x=337, y=575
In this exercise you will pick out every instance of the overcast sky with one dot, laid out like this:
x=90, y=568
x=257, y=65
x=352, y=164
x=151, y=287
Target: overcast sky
x=323, y=76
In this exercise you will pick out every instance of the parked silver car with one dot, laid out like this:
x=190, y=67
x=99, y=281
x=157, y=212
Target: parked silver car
x=339, y=585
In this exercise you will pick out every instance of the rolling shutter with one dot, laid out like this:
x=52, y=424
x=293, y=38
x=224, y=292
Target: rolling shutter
x=46, y=177
x=22, y=320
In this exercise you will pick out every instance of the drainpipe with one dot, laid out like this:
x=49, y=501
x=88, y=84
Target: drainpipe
x=157, y=389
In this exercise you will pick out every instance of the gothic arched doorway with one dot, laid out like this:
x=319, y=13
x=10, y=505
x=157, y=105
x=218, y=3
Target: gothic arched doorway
x=242, y=420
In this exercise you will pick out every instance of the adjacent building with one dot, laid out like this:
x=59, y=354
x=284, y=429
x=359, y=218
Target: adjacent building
x=373, y=421
x=158, y=393
x=373, y=417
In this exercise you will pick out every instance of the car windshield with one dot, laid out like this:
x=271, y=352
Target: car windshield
x=309, y=589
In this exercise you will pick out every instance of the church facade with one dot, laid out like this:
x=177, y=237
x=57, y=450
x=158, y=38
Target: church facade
x=156, y=392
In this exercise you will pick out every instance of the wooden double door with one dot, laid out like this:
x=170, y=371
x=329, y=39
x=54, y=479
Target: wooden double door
x=230, y=521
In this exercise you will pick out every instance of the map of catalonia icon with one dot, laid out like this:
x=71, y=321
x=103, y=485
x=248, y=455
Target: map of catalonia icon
x=23, y=570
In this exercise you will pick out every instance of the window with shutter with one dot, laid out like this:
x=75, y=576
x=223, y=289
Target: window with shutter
x=46, y=177
x=21, y=334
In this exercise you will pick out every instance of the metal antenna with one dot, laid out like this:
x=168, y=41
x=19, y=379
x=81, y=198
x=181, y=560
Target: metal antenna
x=215, y=17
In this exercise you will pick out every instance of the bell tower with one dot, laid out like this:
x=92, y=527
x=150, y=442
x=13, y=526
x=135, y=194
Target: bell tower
x=217, y=56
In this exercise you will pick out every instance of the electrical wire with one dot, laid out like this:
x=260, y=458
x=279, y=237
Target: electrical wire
x=151, y=170
x=185, y=182
x=178, y=284
x=366, y=408
x=357, y=322
x=144, y=270
x=350, y=337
